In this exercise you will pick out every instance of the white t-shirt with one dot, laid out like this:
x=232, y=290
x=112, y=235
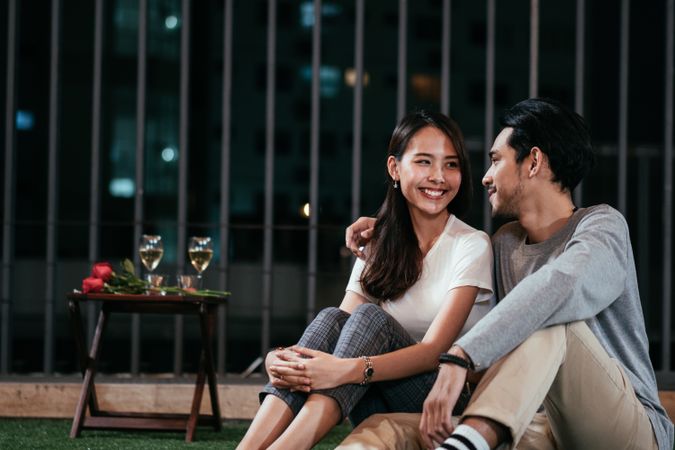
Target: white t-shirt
x=462, y=256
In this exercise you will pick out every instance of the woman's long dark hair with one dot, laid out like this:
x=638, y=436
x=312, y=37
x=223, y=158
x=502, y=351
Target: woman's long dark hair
x=394, y=261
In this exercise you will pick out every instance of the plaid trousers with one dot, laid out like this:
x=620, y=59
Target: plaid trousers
x=368, y=331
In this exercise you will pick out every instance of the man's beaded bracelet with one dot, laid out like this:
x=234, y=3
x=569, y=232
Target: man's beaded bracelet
x=447, y=358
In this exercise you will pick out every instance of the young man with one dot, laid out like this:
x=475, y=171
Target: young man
x=568, y=331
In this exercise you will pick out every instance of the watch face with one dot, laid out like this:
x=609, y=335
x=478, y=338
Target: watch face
x=369, y=372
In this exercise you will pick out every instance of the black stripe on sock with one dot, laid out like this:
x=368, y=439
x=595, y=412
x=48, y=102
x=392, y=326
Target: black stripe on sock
x=464, y=441
x=448, y=446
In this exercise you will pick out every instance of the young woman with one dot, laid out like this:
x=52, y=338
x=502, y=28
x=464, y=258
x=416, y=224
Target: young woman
x=424, y=273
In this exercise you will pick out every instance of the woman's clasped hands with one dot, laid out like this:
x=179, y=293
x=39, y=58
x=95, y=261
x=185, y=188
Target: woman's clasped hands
x=303, y=369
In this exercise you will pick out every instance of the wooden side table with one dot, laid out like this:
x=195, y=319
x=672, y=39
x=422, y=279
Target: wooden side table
x=204, y=307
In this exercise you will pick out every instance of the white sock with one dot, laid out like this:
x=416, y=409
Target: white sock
x=465, y=438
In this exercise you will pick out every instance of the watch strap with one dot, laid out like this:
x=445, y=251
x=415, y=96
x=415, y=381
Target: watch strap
x=367, y=371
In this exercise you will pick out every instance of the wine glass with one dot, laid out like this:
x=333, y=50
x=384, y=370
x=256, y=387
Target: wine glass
x=151, y=249
x=200, y=250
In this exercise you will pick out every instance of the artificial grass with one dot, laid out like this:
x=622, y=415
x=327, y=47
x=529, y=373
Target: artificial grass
x=25, y=434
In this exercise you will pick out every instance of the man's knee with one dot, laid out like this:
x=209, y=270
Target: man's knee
x=512, y=389
x=581, y=331
x=398, y=431
x=552, y=338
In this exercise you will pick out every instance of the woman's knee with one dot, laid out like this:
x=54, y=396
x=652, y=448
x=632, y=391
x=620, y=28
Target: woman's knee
x=370, y=316
x=324, y=331
x=331, y=313
x=370, y=312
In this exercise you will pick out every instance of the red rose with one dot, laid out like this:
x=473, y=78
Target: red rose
x=92, y=285
x=102, y=270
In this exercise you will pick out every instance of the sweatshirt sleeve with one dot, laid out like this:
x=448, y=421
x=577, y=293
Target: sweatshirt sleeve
x=582, y=281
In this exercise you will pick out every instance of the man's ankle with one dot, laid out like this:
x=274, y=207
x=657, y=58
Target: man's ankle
x=493, y=432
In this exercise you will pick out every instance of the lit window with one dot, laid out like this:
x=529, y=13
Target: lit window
x=426, y=87
x=350, y=77
x=307, y=12
x=122, y=187
x=329, y=79
x=171, y=22
x=25, y=120
x=169, y=154
x=305, y=210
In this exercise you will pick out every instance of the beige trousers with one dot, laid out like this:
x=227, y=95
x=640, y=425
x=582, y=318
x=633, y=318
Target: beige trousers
x=589, y=402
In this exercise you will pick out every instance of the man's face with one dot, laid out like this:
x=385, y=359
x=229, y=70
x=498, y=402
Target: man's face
x=503, y=179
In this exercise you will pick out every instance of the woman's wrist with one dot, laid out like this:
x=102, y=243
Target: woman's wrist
x=355, y=371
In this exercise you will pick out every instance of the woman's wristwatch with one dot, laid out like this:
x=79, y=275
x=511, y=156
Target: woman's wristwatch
x=368, y=371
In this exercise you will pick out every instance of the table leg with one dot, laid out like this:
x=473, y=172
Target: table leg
x=208, y=315
x=196, y=402
x=206, y=370
x=89, y=373
x=78, y=331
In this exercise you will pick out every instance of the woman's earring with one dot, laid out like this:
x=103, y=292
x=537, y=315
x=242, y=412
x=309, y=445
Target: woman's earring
x=395, y=184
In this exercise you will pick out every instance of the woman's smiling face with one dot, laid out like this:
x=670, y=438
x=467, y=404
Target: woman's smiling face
x=428, y=173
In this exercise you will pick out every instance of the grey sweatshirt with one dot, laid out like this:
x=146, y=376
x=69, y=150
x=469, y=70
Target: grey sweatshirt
x=585, y=271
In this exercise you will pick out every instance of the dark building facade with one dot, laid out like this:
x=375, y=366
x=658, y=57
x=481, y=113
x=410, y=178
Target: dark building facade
x=264, y=124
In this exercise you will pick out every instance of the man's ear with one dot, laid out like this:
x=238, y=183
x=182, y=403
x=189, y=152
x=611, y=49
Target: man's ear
x=392, y=168
x=536, y=160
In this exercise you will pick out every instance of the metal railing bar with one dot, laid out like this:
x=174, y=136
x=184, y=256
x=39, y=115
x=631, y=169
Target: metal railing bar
x=402, y=59
x=314, y=163
x=52, y=186
x=268, y=238
x=489, y=103
x=357, y=111
x=445, y=58
x=668, y=190
x=224, y=224
x=183, y=160
x=95, y=170
x=140, y=152
x=622, y=162
x=9, y=192
x=534, y=48
x=579, y=67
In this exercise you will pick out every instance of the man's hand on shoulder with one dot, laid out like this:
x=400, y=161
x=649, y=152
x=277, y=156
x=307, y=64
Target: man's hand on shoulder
x=359, y=234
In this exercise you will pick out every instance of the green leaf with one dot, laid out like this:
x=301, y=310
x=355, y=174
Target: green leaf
x=126, y=282
x=128, y=266
x=212, y=293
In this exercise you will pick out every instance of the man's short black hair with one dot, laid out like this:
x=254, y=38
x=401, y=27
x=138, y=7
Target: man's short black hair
x=560, y=133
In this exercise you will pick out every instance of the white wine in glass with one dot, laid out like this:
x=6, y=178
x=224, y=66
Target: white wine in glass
x=151, y=250
x=200, y=250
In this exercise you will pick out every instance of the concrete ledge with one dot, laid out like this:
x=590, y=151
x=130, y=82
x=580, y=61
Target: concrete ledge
x=668, y=402
x=58, y=399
